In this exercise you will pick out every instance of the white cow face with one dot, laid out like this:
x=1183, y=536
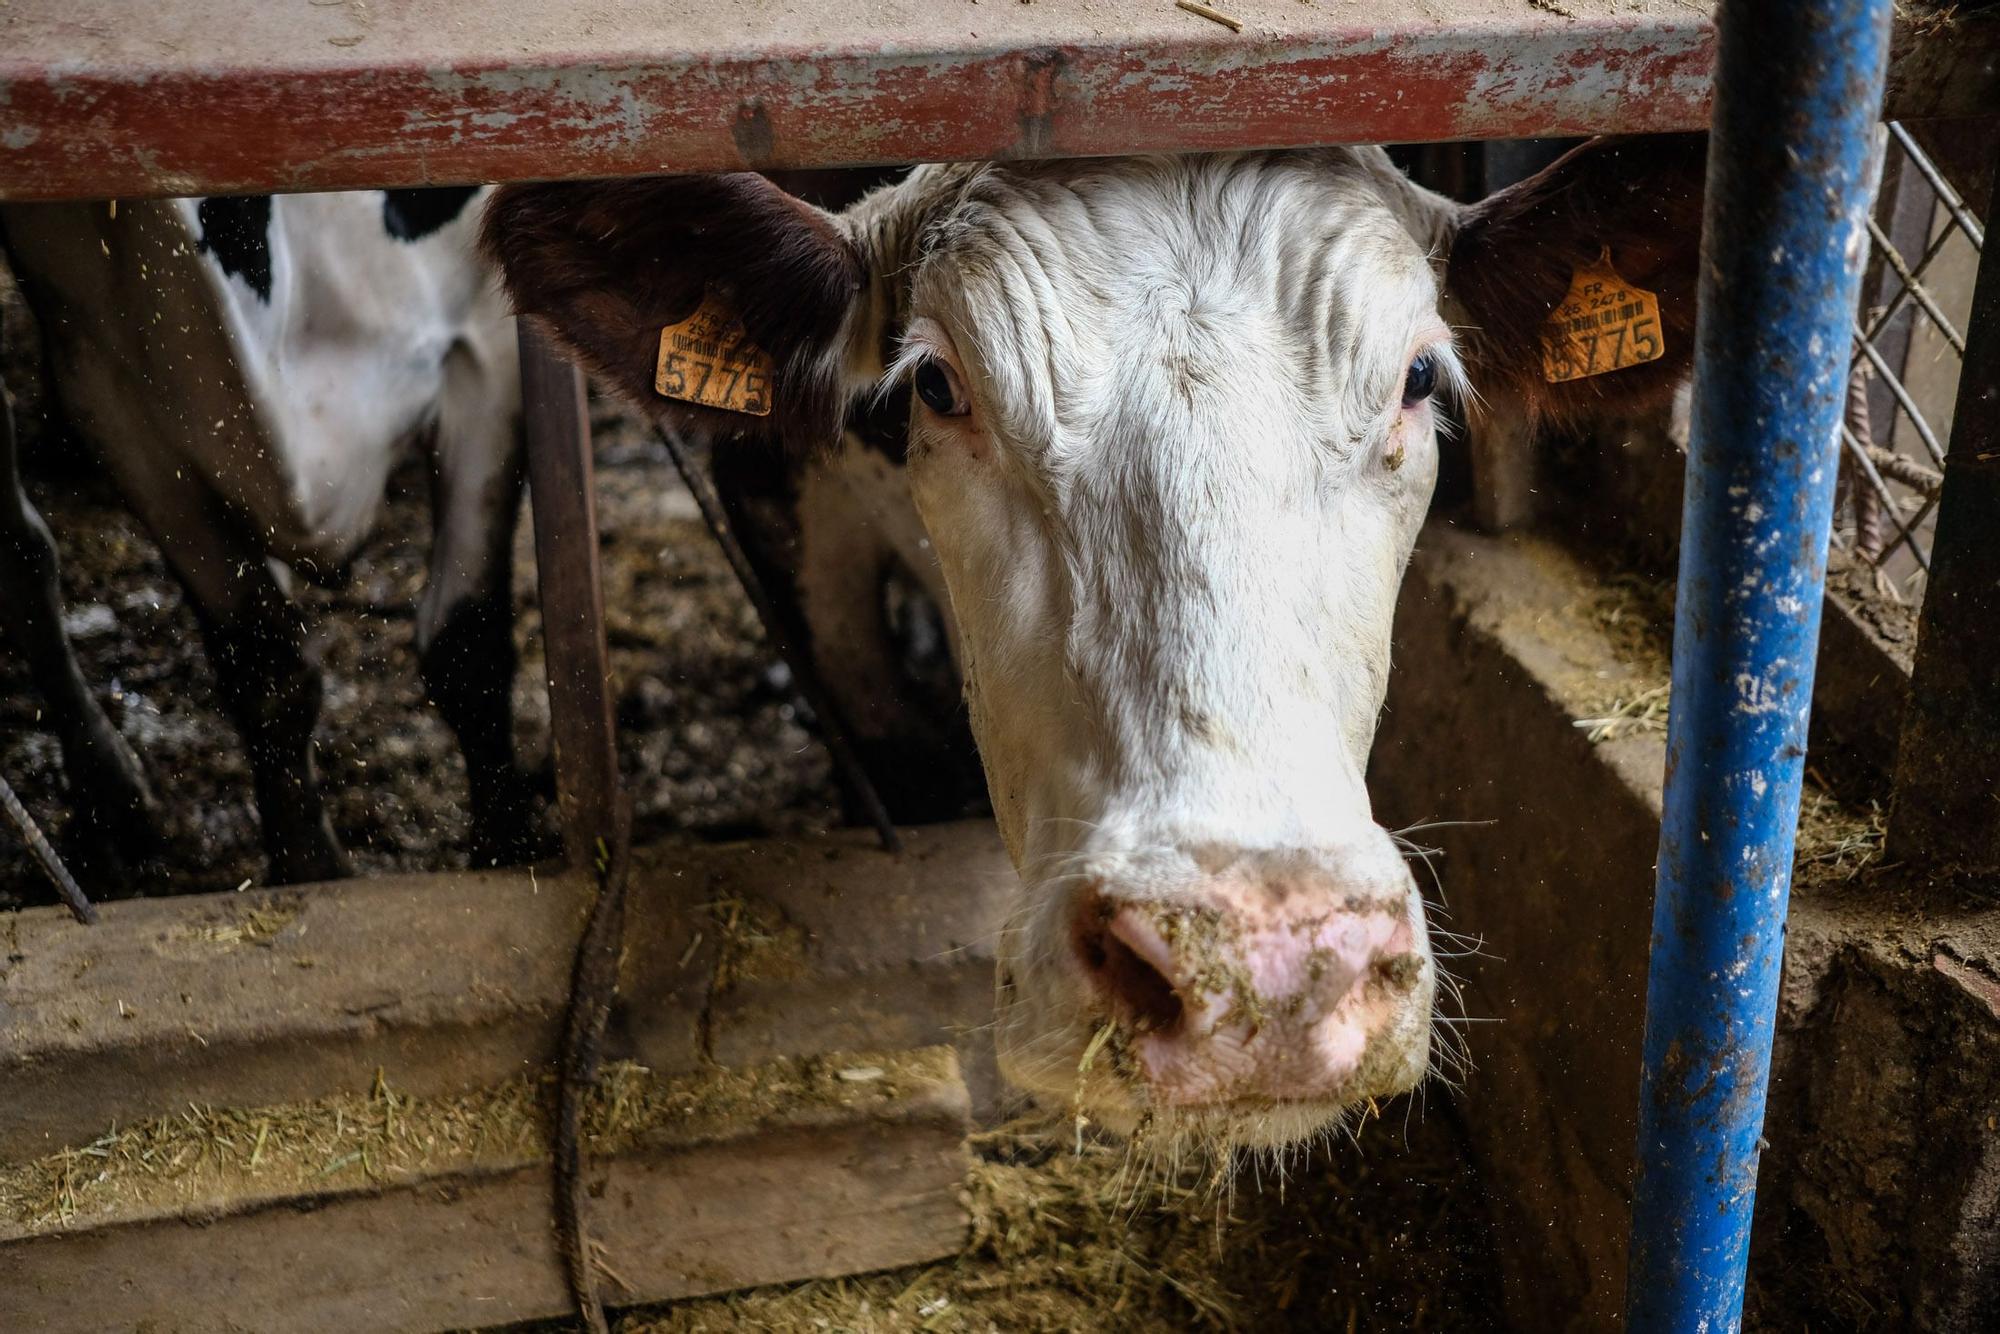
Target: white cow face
x=1173, y=436
x=1174, y=461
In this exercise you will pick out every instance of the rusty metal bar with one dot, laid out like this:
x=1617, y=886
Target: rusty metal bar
x=1945, y=193
x=1903, y=295
x=1783, y=247
x=1946, y=808
x=1915, y=287
x=105, y=98
x=1918, y=193
x=1872, y=474
x=1903, y=399
x=1906, y=470
x=73, y=897
x=595, y=819
x=578, y=661
x=1906, y=207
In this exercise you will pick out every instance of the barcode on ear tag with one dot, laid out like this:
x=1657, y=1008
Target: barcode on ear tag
x=1604, y=324
x=709, y=359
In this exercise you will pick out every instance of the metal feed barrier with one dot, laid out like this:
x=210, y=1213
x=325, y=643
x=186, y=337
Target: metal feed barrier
x=1893, y=443
x=100, y=100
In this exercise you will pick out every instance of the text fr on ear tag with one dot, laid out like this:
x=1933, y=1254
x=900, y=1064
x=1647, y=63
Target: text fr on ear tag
x=708, y=359
x=1604, y=324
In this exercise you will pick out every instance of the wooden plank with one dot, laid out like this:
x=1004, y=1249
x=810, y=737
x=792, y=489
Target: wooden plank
x=831, y=1178
x=103, y=98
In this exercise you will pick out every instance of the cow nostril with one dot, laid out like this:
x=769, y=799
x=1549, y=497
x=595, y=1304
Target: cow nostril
x=1140, y=994
x=1400, y=971
x=1151, y=1003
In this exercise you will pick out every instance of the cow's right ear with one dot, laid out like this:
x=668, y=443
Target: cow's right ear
x=606, y=266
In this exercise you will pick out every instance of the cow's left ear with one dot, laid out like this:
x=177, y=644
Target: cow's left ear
x=1615, y=224
x=716, y=301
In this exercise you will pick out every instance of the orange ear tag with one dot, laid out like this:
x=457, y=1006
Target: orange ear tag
x=1604, y=324
x=708, y=359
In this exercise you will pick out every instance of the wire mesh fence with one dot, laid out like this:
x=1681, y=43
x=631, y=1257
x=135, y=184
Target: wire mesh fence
x=1909, y=346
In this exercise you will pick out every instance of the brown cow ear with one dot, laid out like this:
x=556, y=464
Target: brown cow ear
x=763, y=280
x=1632, y=206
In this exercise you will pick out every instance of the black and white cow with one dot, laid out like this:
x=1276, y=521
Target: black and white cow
x=1171, y=432
x=249, y=370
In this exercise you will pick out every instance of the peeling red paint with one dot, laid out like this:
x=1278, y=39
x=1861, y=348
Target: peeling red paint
x=86, y=114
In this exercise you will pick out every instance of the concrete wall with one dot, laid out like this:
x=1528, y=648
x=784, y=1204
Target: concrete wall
x=1496, y=656
x=1880, y=1203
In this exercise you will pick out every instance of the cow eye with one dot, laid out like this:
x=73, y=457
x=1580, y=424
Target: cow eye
x=937, y=385
x=1420, y=381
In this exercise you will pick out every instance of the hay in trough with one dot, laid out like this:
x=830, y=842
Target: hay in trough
x=1386, y=1235
x=1635, y=617
x=1836, y=841
x=755, y=943
x=203, y=1157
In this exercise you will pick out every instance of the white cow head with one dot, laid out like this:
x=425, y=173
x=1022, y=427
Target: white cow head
x=1173, y=436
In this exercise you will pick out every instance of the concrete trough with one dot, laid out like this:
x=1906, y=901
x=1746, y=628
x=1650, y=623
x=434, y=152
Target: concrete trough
x=847, y=1167
x=1876, y=1196
x=401, y=998
x=747, y=952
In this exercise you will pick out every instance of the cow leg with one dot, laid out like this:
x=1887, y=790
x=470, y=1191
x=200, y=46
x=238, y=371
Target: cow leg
x=269, y=677
x=265, y=671
x=105, y=778
x=465, y=621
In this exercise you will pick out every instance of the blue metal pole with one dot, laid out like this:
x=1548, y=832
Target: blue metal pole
x=1798, y=90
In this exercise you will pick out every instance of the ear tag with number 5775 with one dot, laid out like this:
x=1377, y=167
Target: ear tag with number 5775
x=708, y=359
x=1604, y=324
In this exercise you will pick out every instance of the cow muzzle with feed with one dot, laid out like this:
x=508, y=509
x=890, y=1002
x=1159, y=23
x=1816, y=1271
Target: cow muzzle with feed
x=1173, y=432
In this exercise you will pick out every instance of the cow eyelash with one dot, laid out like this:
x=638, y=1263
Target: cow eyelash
x=1420, y=381
x=938, y=385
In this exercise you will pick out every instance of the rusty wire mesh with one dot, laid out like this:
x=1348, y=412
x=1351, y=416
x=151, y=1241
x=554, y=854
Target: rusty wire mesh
x=1909, y=345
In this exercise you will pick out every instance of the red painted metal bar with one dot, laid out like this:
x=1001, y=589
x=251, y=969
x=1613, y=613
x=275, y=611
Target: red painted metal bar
x=106, y=98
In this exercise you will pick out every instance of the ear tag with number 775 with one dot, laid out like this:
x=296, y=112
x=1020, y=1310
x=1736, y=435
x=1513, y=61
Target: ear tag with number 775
x=1604, y=324
x=708, y=359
